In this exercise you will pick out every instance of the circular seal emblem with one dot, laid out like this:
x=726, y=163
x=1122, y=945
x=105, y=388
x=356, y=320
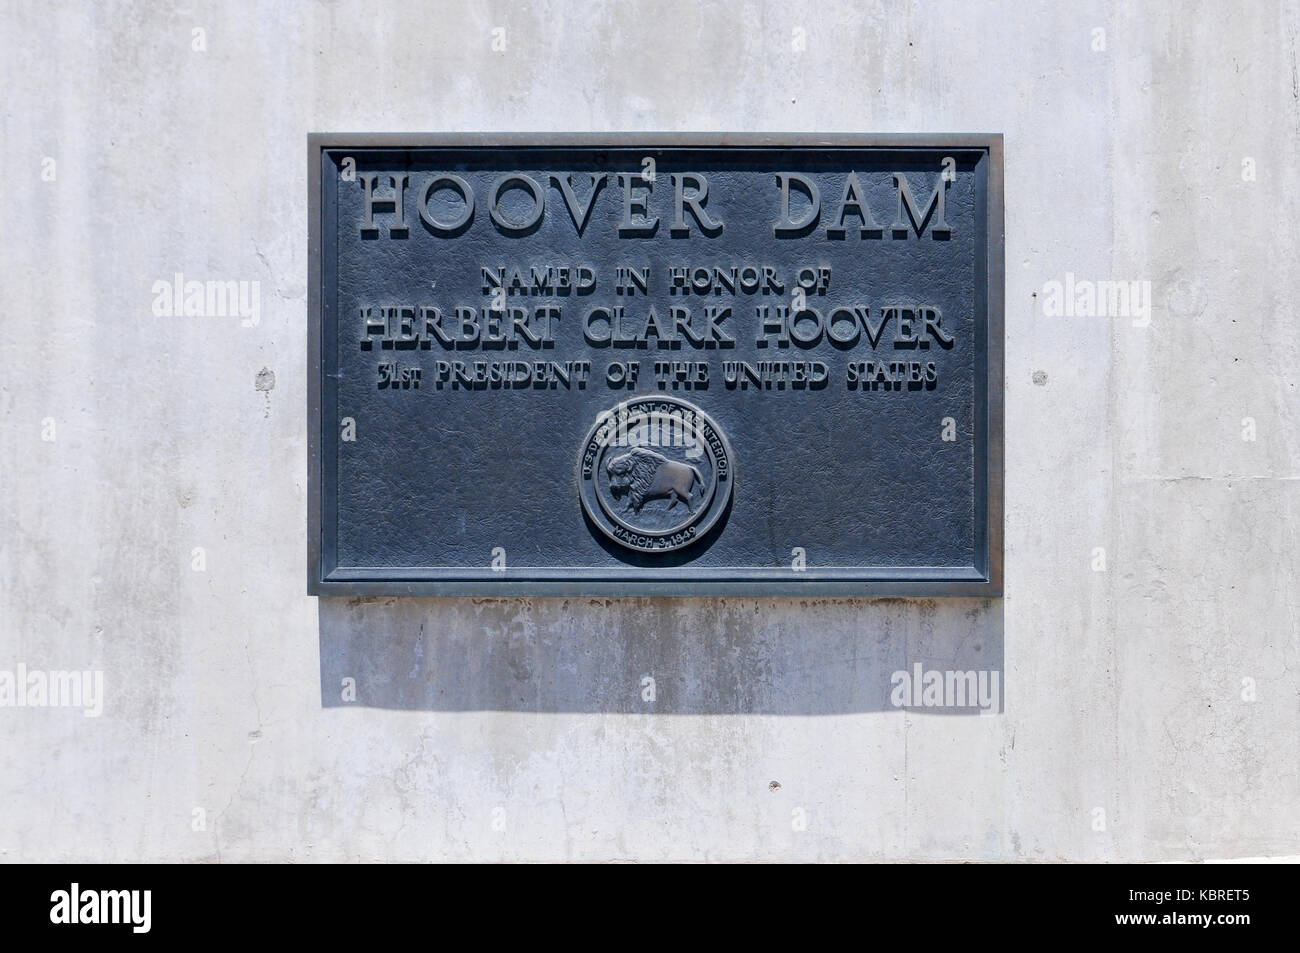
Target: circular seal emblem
x=655, y=473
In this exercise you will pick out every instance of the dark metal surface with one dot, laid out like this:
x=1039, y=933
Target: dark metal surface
x=487, y=451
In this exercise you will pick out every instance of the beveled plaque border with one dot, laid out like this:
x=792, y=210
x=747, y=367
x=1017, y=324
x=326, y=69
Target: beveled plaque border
x=324, y=578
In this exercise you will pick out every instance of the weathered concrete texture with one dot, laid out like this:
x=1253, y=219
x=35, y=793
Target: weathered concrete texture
x=521, y=729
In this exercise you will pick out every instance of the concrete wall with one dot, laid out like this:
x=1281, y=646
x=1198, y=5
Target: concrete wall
x=498, y=729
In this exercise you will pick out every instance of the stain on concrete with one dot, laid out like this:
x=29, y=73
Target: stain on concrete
x=265, y=382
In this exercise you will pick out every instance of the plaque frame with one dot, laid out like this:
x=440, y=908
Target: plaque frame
x=981, y=581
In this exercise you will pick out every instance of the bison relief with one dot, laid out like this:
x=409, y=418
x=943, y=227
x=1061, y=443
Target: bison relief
x=645, y=475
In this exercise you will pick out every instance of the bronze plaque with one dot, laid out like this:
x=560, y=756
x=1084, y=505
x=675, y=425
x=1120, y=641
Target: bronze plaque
x=655, y=365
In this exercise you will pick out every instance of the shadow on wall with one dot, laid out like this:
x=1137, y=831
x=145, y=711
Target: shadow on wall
x=670, y=656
